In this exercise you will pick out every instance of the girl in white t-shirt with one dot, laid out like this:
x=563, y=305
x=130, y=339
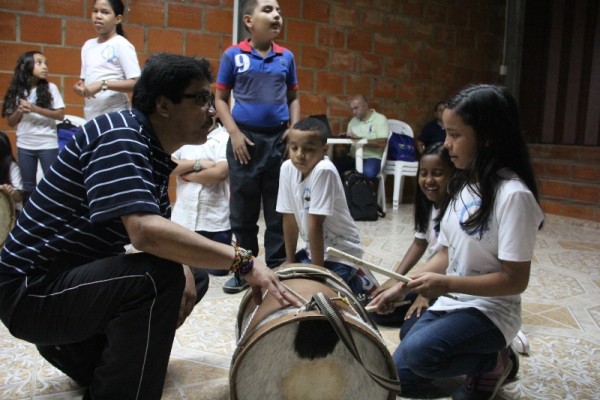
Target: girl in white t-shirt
x=10, y=174
x=435, y=169
x=33, y=105
x=109, y=64
x=488, y=229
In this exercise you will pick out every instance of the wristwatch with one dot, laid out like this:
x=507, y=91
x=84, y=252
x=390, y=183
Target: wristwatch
x=104, y=86
x=197, y=166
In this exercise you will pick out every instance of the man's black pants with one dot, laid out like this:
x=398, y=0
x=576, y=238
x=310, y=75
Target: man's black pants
x=108, y=324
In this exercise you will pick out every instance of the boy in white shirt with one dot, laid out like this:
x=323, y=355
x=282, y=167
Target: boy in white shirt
x=312, y=200
x=203, y=188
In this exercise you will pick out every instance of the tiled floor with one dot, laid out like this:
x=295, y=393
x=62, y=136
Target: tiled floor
x=561, y=313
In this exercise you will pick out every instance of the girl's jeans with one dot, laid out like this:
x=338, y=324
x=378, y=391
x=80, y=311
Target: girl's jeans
x=28, y=164
x=347, y=273
x=221, y=237
x=447, y=344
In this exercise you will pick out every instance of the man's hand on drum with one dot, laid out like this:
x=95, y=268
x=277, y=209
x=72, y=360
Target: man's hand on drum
x=384, y=301
x=262, y=277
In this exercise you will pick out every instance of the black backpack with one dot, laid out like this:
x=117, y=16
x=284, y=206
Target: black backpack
x=361, y=197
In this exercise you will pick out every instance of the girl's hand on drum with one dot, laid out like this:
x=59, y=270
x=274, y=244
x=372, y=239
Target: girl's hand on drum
x=385, y=300
x=262, y=277
x=419, y=306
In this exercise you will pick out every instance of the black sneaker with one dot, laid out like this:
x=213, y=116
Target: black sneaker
x=235, y=285
x=514, y=357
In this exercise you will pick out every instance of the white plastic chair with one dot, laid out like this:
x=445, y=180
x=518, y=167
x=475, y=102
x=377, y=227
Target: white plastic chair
x=399, y=169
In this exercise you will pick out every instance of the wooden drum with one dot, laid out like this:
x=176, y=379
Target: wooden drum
x=290, y=353
x=7, y=215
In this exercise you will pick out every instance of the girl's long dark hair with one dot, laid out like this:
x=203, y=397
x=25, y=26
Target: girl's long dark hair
x=20, y=85
x=493, y=114
x=6, y=158
x=423, y=205
x=118, y=9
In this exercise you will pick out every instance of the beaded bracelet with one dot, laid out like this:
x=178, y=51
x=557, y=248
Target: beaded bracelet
x=243, y=261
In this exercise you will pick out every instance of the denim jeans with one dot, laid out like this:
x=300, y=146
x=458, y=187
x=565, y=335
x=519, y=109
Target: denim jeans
x=28, y=164
x=447, y=344
x=348, y=274
x=221, y=237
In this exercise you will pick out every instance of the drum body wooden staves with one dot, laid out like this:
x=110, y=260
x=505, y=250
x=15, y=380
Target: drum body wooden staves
x=7, y=215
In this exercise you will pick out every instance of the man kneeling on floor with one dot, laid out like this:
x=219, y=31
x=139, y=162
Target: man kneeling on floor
x=105, y=318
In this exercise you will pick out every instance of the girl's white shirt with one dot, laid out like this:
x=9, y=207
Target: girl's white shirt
x=112, y=60
x=36, y=132
x=510, y=235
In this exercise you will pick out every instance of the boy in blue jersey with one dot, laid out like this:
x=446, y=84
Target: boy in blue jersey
x=262, y=76
x=105, y=318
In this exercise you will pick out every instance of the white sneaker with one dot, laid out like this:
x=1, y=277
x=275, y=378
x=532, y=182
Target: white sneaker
x=520, y=344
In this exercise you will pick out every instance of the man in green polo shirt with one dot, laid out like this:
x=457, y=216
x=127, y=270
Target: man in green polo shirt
x=366, y=123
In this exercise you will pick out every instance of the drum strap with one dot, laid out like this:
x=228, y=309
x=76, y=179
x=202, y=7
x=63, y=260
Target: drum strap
x=337, y=322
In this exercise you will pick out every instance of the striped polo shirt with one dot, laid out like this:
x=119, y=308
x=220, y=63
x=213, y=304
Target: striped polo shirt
x=113, y=166
x=260, y=85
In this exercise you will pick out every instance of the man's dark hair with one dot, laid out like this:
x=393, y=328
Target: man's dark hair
x=167, y=74
x=313, y=125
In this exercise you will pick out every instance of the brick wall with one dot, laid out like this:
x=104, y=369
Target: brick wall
x=568, y=179
x=404, y=55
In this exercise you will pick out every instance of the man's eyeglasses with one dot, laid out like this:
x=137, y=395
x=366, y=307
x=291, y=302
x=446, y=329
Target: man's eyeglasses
x=204, y=99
